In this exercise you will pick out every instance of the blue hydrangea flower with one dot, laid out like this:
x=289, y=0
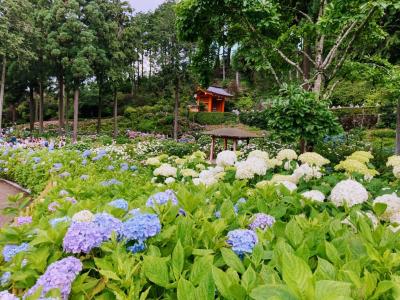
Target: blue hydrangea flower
x=63, y=193
x=82, y=237
x=124, y=166
x=107, y=224
x=182, y=212
x=242, y=240
x=9, y=251
x=86, y=153
x=5, y=279
x=55, y=221
x=84, y=162
x=36, y=160
x=84, y=177
x=64, y=174
x=162, y=198
x=119, y=203
x=133, y=168
x=262, y=221
x=140, y=227
x=238, y=204
x=99, y=155
x=110, y=182
x=110, y=168
x=57, y=166
x=137, y=247
x=59, y=275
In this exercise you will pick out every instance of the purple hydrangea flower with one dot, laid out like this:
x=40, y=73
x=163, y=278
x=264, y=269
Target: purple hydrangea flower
x=242, y=240
x=262, y=221
x=107, y=224
x=238, y=204
x=82, y=237
x=63, y=193
x=182, y=212
x=19, y=221
x=64, y=175
x=162, y=198
x=9, y=251
x=84, y=177
x=99, y=155
x=53, y=206
x=59, y=275
x=5, y=295
x=218, y=214
x=36, y=160
x=84, y=162
x=55, y=221
x=140, y=227
x=119, y=203
x=137, y=247
x=71, y=199
x=5, y=279
x=111, y=182
x=110, y=168
x=124, y=166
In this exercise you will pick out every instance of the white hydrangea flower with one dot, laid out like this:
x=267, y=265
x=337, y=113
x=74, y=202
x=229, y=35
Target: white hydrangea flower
x=169, y=180
x=189, y=173
x=392, y=212
x=258, y=165
x=289, y=185
x=83, y=216
x=288, y=154
x=153, y=161
x=209, y=177
x=165, y=170
x=280, y=177
x=273, y=162
x=259, y=154
x=226, y=158
x=314, y=195
x=200, y=167
x=307, y=172
x=244, y=170
x=396, y=171
x=348, y=192
x=393, y=161
x=313, y=159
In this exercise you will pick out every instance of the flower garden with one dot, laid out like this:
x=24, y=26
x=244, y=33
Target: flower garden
x=106, y=224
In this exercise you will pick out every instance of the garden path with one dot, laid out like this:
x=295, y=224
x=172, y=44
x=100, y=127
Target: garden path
x=6, y=189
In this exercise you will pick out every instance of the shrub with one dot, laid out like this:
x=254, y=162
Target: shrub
x=214, y=118
x=178, y=149
x=383, y=133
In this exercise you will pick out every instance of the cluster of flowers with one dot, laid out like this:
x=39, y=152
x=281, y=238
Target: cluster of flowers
x=394, y=162
x=357, y=163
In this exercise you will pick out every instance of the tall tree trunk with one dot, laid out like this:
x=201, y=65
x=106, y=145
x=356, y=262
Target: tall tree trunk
x=99, y=108
x=150, y=62
x=60, y=104
x=398, y=128
x=319, y=60
x=13, y=113
x=67, y=104
x=306, y=64
x=223, y=63
x=176, y=109
x=31, y=110
x=115, y=115
x=76, y=108
x=238, y=81
x=41, y=107
x=142, y=64
x=2, y=86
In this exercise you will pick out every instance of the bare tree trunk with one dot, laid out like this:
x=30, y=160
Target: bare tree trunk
x=67, y=104
x=41, y=107
x=31, y=110
x=76, y=108
x=398, y=128
x=115, y=118
x=2, y=86
x=223, y=63
x=176, y=110
x=61, y=104
x=142, y=64
x=319, y=61
x=237, y=80
x=99, y=108
x=306, y=64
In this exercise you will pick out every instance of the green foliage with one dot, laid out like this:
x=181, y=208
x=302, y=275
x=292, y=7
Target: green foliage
x=214, y=118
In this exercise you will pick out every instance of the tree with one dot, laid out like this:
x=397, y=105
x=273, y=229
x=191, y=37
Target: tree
x=266, y=31
x=15, y=26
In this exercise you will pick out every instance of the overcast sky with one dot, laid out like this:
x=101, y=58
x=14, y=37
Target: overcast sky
x=145, y=5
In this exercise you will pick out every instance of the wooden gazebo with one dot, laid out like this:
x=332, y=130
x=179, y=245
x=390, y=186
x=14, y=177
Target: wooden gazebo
x=234, y=134
x=212, y=98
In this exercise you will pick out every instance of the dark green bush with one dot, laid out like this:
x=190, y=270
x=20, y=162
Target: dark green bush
x=383, y=133
x=179, y=149
x=214, y=118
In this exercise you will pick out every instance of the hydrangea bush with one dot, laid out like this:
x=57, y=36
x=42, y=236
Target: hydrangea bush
x=256, y=225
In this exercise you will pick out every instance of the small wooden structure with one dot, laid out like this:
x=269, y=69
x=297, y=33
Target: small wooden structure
x=212, y=98
x=234, y=134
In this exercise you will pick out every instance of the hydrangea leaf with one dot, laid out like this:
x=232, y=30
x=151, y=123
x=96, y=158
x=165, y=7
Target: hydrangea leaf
x=156, y=270
x=232, y=260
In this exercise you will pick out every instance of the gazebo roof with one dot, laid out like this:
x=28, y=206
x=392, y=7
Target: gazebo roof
x=232, y=133
x=216, y=90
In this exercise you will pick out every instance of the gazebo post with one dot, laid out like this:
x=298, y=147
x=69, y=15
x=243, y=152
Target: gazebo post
x=248, y=141
x=234, y=144
x=212, y=148
x=225, y=143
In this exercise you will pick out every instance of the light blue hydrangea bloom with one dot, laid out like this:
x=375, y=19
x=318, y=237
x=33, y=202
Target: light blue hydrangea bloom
x=242, y=240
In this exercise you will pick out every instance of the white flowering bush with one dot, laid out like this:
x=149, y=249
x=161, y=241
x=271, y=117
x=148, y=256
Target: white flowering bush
x=226, y=158
x=348, y=192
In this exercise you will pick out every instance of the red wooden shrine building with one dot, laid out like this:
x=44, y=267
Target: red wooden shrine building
x=211, y=99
